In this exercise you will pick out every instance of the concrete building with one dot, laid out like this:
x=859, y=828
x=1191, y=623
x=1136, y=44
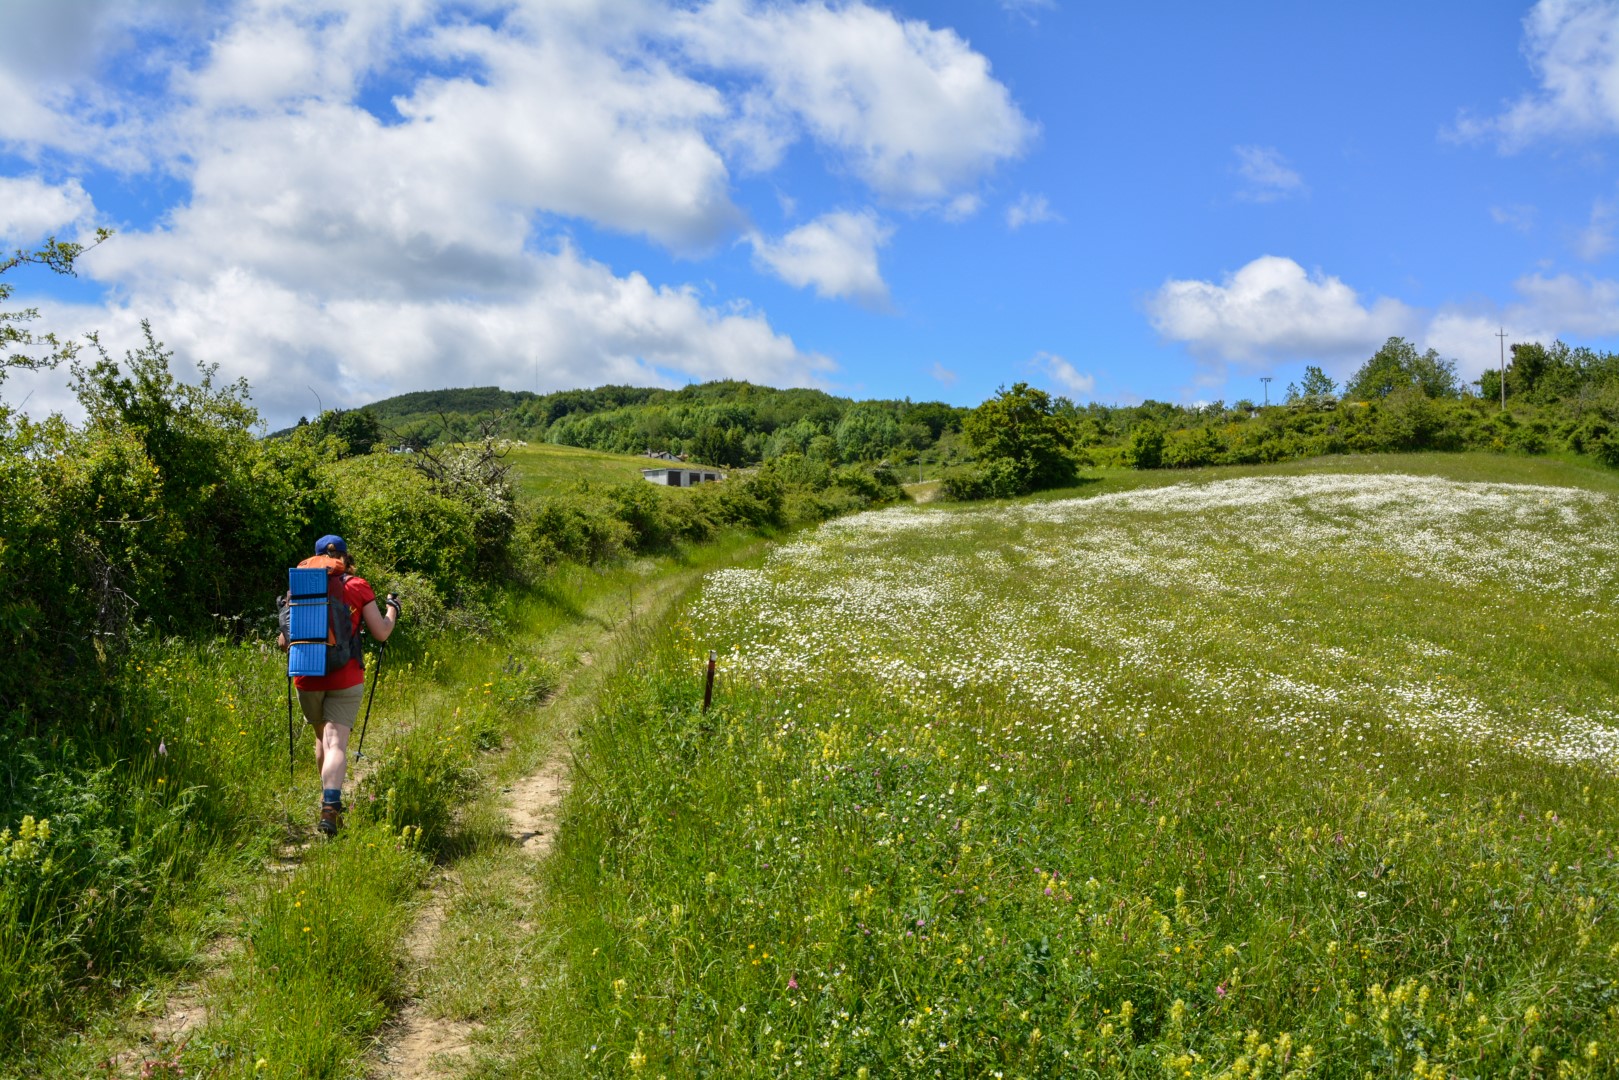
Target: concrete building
x=681, y=477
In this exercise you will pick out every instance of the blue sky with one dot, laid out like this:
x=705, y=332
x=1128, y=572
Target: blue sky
x=1116, y=202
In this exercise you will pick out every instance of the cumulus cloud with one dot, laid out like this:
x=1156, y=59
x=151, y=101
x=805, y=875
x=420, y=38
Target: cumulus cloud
x=1266, y=174
x=911, y=110
x=1573, y=50
x=836, y=254
x=1271, y=309
x=1068, y=379
x=31, y=209
x=1030, y=210
x=369, y=246
x=577, y=324
x=1581, y=307
x=1546, y=308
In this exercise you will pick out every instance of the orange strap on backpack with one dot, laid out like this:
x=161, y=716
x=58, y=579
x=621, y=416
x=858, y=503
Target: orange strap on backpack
x=332, y=565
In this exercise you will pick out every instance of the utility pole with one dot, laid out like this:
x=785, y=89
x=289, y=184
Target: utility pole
x=1266, y=380
x=1503, y=336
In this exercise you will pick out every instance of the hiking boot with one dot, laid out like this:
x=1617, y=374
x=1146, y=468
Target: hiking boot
x=331, y=818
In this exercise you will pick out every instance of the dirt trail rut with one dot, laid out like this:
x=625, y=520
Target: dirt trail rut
x=422, y=1045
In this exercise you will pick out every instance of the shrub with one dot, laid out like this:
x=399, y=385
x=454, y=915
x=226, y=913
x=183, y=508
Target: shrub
x=1146, y=449
x=997, y=478
x=396, y=522
x=574, y=527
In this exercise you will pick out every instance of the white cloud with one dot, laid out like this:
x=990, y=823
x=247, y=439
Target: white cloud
x=911, y=110
x=836, y=254
x=942, y=374
x=1573, y=50
x=31, y=209
x=368, y=248
x=1580, y=307
x=575, y=324
x=1469, y=337
x=1272, y=309
x=1071, y=381
x=1267, y=174
x=1546, y=308
x=1030, y=210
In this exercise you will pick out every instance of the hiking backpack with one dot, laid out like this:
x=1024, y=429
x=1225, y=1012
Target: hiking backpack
x=317, y=620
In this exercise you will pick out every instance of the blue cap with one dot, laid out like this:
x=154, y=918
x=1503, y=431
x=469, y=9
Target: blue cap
x=331, y=540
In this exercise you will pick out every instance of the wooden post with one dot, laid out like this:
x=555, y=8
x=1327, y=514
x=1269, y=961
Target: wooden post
x=708, y=683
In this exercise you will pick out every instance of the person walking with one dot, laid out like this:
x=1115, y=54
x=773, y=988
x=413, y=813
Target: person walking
x=331, y=702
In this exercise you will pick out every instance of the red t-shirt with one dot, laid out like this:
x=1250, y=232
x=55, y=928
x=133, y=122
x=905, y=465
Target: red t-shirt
x=356, y=593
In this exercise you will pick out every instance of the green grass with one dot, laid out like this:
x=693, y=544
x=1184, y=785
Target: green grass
x=454, y=720
x=544, y=469
x=1170, y=784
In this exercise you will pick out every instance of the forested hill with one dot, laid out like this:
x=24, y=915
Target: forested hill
x=1558, y=399
x=720, y=423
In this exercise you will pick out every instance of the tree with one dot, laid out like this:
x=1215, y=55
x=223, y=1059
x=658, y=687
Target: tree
x=357, y=429
x=1399, y=364
x=867, y=431
x=938, y=417
x=1316, y=382
x=1435, y=377
x=1388, y=369
x=715, y=445
x=1021, y=426
x=20, y=348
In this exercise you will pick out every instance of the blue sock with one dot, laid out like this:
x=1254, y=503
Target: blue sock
x=331, y=796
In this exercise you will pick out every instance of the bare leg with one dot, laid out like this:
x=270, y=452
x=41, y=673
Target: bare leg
x=332, y=754
x=320, y=748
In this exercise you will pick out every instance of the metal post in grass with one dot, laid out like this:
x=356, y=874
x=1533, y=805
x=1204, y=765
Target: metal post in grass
x=708, y=682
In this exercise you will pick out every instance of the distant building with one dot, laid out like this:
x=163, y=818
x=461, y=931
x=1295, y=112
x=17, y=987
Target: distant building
x=681, y=477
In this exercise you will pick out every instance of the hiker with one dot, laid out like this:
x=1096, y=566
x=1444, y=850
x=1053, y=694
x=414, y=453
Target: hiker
x=331, y=702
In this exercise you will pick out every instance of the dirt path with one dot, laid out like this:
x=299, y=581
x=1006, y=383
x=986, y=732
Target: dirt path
x=424, y=1042
x=422, y=1045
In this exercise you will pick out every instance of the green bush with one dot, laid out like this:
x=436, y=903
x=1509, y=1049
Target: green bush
x=396, y=522
x=574, y=527
x=1146, y=447
x=997, y=478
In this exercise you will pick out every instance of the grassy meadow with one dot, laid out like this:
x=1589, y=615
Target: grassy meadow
x=1301, y=771
x=544, y=469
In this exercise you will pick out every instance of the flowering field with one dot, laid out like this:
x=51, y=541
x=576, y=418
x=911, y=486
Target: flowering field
x=1270, y=776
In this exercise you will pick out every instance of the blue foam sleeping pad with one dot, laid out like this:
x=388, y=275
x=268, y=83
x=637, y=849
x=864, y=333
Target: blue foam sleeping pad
x=308, y=622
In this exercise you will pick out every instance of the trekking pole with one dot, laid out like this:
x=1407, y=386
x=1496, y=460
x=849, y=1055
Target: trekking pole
x=359, y=750
x=291, y=754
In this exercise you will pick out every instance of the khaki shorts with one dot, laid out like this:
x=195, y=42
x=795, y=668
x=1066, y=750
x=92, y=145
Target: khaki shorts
x=339, y=707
